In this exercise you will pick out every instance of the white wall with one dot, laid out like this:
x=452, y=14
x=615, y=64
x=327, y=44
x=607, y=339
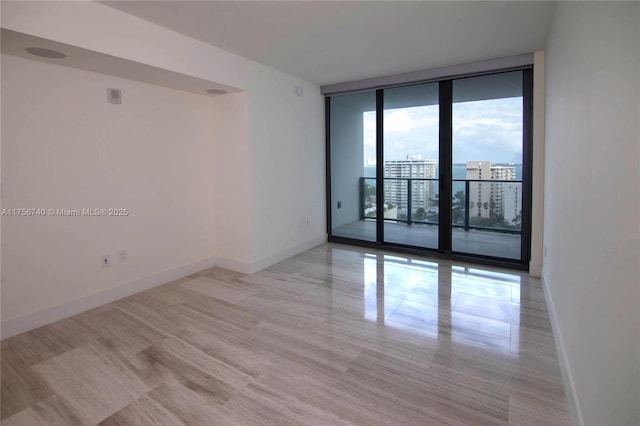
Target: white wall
x=270, y=174
x=592, y=207
x=231, y=186
x=537, y=198
x=65, y=147
x=280, y=125
x=1, y=274
x=266, y=164
x=287, y=168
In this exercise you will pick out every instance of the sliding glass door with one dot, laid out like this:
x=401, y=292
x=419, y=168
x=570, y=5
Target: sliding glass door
x=410, y=153
x=353, y=166
x=487, y=165
x=440, y=166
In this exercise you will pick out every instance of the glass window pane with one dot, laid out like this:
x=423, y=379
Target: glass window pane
x=411, y=150
x=353, y=166
x=487, y=165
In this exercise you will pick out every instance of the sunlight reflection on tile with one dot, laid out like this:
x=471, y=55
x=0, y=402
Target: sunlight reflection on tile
x=456, y=303
x=489, y=274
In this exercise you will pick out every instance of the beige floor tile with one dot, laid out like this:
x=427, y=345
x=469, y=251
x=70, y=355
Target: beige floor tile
x=91, y=381
x=216, y=288
x=335, y=335
x=49, y=412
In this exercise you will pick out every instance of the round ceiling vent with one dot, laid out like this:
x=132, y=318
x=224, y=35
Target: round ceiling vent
x=45, y=53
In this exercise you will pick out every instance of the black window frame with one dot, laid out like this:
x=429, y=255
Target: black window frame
x=445, y=176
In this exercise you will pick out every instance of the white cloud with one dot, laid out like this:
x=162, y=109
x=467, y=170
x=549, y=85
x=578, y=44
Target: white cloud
x=488, y=130
x=482, y=130
x=369, y=135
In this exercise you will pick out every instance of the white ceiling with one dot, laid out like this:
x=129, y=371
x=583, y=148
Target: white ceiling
x=14, y=43
x=328, y=42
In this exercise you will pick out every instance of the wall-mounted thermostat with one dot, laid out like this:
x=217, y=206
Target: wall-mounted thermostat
x=114, y=96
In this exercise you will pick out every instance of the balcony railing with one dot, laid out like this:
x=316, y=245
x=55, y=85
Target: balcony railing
x=499, y=198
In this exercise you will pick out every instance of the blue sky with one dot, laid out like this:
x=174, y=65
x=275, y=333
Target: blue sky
x=487, y=130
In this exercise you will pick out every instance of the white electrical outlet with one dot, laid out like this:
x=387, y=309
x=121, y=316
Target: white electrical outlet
x=106, y=260
x=122, y=256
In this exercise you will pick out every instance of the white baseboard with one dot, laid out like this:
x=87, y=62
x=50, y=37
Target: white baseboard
x=30, y=321
x=565, y=368
x=267, y=261
x=234, y=265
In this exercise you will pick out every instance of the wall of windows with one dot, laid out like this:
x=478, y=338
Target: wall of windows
x=441, y=167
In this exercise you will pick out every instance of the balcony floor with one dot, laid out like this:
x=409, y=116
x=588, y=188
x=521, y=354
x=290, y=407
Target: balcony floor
x=473, y=242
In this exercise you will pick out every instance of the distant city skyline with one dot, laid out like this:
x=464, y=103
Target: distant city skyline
x=488, y=130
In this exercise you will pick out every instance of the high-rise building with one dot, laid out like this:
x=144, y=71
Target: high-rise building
x=512, y=202
x=497, y=199
x=396, y=191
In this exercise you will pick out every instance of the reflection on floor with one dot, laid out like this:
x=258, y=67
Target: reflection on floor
x=336, y=335
x=474, y=242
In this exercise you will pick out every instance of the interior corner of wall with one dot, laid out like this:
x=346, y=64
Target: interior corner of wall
x=535, y=270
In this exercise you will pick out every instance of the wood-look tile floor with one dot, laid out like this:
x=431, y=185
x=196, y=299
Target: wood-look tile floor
x=336, y=335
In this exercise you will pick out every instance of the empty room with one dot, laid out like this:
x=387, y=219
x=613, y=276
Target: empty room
x=320, y=212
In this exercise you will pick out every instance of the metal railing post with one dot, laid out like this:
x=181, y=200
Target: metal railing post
x=466, y=205
x=409, y=201
x=362, y=214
